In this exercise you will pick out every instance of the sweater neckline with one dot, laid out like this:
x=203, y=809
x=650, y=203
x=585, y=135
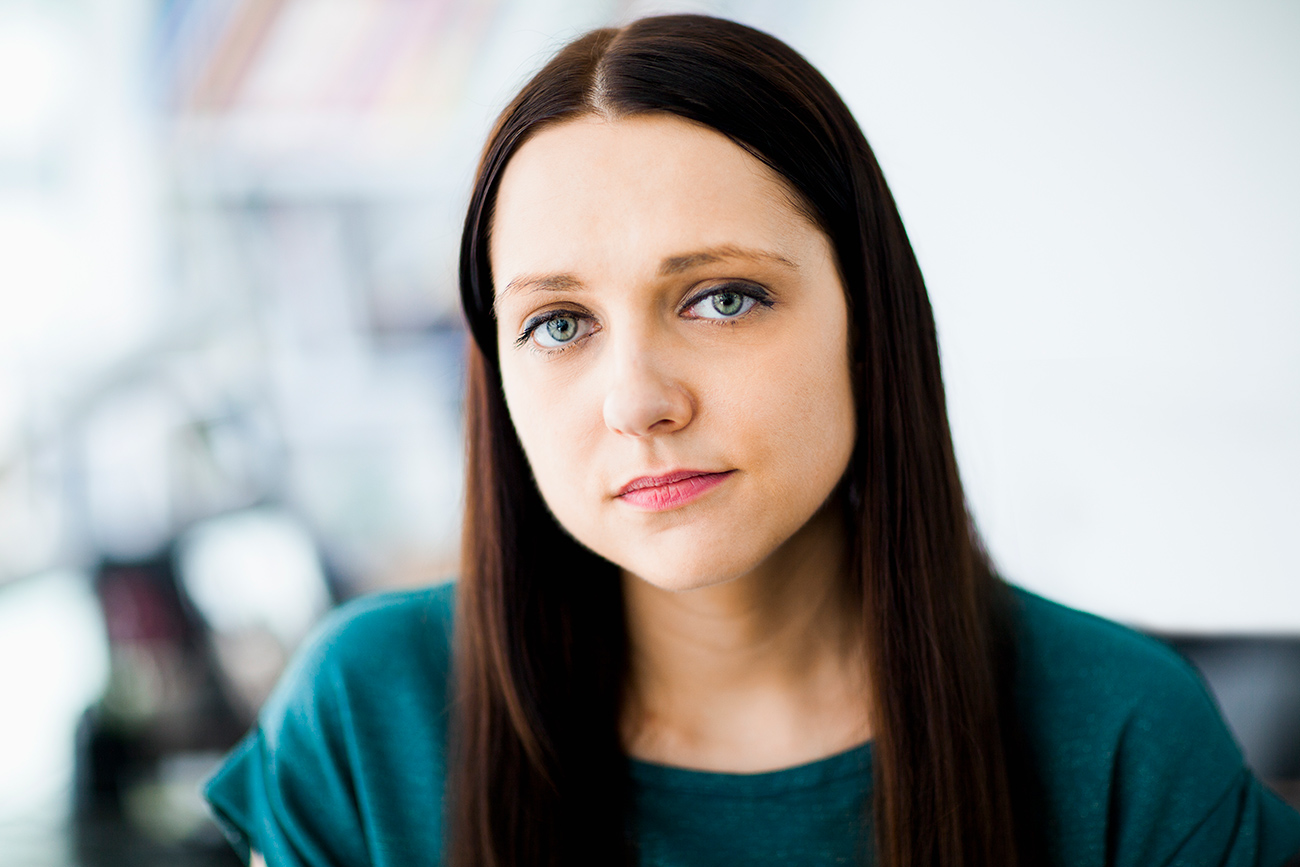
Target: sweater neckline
x=853, y=762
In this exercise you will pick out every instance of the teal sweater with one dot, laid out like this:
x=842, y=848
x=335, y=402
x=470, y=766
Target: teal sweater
x=346, y=765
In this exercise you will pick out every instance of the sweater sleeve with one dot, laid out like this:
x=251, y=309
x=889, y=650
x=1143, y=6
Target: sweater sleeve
x=346, y=765
x=1135, y=764
x=287, y=790
x=1248, y=827
x=1181, y=791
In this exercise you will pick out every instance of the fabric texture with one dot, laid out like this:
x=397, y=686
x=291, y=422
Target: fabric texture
x=1134, y=764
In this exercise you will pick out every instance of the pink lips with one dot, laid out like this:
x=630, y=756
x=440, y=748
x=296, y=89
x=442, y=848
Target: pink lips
x=660, y=493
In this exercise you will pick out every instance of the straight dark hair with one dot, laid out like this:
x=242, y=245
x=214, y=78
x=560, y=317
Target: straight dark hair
x=537, y=774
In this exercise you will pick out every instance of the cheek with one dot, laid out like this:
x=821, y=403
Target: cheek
x=794, y=403
x=553, y=421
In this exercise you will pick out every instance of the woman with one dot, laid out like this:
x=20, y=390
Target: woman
x=721, y=601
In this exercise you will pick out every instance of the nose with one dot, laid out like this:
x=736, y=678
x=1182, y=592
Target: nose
x=643, y=399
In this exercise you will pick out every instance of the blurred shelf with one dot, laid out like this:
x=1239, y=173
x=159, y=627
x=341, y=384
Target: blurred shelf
x=305, y=100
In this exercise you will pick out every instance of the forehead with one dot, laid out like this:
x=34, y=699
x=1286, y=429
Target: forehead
x=612, y=195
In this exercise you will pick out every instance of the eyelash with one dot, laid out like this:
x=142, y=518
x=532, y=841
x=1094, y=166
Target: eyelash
x=760, y=295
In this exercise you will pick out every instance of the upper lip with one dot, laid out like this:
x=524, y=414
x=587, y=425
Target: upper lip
x=666, y=479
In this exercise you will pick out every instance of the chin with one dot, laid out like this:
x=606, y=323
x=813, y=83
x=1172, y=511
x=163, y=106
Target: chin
x=676, y=574
x=681, y=584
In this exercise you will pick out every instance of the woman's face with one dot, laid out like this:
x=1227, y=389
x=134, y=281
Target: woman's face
x=673, y=341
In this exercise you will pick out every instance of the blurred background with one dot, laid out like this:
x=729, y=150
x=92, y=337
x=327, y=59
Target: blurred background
x=230, y=349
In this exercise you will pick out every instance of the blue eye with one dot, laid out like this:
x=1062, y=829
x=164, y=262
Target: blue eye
x=729, y=302
x=558, y=331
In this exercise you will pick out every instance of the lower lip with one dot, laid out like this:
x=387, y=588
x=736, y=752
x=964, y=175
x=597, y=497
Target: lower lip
x=661, y=498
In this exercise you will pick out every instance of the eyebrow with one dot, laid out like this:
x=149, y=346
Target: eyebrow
x=667, y=268
x=677, y=264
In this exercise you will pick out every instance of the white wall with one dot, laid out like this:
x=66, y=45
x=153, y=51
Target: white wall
x=1105, y=198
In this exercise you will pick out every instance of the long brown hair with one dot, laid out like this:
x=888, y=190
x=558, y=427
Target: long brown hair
x=538, y=775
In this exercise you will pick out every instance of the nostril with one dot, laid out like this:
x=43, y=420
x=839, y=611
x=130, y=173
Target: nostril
x=647, y=408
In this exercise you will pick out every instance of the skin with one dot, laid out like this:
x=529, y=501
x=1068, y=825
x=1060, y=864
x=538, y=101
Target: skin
x=745, y=655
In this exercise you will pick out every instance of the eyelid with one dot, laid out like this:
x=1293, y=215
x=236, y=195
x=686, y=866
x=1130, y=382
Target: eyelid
x=537, y=321
x=740, y=287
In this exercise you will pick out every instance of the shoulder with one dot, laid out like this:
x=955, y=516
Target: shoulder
x=384, y=629
x=370, y=656
x=381, y=632
x=1065, y=654
x=350, y=749
x=1087, y=681
x=422, y=615
x=1128, y=746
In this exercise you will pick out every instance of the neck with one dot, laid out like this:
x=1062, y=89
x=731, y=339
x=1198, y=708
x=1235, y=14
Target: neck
x=760, y=672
